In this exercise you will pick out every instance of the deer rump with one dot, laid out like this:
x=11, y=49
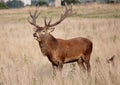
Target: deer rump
x=66, y=51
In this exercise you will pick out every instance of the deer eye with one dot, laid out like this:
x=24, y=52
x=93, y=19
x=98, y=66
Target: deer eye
x=43, y=32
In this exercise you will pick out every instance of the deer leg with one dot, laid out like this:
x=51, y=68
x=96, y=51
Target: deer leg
x=60, y=66
x=87, y=62
x=88, y=66
x=57, y=69
x=81, y=64
x=54, y=70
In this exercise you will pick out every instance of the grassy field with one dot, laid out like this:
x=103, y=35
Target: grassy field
x=22, y=63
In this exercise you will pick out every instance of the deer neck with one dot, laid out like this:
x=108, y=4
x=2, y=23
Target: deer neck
x=48, y=44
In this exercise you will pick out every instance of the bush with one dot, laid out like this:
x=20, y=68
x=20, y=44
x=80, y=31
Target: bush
x=39, y=3
x=110, y=1
x=2, y=6
x=15, y=4
x=70, y=2
x=42, y=3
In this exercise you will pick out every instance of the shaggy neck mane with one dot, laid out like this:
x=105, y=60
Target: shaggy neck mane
x=48, y=44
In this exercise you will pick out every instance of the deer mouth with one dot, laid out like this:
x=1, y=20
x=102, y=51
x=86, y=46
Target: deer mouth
x=35, y=36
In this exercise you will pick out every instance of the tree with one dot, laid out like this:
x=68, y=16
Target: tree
x=39, y=3
x=70, y=1
x=2, y=5
x=15, y=4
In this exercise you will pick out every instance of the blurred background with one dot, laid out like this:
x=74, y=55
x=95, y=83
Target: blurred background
x=56, y=3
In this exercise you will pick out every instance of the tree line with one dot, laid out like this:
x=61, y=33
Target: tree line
x=19, y=3
x=12, y=4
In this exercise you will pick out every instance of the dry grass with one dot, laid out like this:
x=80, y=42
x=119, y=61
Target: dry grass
x=21, y=62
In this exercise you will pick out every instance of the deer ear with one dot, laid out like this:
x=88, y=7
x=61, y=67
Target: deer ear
x=51, y=29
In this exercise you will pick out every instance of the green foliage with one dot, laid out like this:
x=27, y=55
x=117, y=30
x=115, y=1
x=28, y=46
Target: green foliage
x=39, y=3
x=2, y=6
x=70, y=1
x=110, y=1
x=42, y=3
x=15, y=4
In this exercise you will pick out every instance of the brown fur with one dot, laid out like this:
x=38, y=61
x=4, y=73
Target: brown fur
x=61, y=51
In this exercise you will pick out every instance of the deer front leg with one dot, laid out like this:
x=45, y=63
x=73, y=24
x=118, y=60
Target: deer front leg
x=60, y=66
x=57, y=69
x=54, y=70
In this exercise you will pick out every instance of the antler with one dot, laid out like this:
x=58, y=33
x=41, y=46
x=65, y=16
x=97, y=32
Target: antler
x=34, y=16
x=68, y=12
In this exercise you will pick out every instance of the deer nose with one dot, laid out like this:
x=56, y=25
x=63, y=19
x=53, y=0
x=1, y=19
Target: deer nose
x=34, y=34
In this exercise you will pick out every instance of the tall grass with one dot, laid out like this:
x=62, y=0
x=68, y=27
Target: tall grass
x=21, y=61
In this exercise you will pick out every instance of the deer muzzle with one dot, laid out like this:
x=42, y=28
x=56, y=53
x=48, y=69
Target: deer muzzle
x=35, y=36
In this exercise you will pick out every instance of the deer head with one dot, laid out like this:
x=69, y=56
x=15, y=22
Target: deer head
x=41, y=32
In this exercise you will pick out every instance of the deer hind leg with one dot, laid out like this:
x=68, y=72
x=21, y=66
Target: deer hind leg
x=87, y=62
x=81, y=63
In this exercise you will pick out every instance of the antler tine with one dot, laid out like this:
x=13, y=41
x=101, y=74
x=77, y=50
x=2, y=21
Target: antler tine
x=30, y=14
x=37, y=13
x=50, y=21
x=68, y=12
x=66, y=6
x=47, y=24
x=29, y=20
x=29, y=17
x=34, y=16
x=45, y=21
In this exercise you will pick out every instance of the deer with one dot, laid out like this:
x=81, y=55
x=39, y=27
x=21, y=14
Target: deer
x=61, y=51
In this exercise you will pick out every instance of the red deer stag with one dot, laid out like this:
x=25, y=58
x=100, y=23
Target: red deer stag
x=61, y=51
